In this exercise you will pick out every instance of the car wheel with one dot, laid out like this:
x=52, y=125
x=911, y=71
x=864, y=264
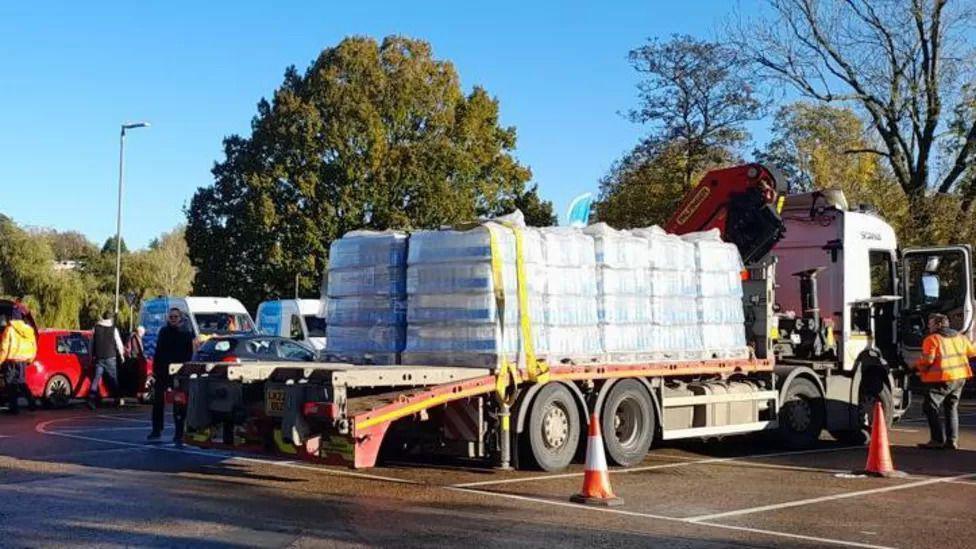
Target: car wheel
x=57, y=391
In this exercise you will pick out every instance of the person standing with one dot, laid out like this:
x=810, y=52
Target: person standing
x=944, y=368
x=106, y=348
x=18, y=348
x=174, y=345
x=134, y=349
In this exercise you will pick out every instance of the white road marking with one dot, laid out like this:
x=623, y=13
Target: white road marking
x=845, y=495
x=653, y=467
x=665, y=518
x=897, y=430
x=122, y=418
x=42, y=428
x=100, y=429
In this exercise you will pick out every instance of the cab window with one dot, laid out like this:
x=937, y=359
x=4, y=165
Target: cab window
x=316, y=326
x=936, y=283
x=882, y=273
x=296, y=328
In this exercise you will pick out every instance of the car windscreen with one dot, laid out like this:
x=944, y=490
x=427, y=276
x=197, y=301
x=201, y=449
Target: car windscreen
x=315, y=326
x=222, y=323
x=215, y=349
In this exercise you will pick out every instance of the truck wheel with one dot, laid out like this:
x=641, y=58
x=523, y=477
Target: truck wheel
x=865, y=416
x=801, y=417
x=57, y=391
x=554, y=428
x=627, y=422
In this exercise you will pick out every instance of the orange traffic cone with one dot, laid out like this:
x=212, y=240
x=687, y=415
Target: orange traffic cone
x=596, y=479
x=879, y=453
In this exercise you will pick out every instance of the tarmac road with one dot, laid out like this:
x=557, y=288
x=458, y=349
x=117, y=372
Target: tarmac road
x=87, y=478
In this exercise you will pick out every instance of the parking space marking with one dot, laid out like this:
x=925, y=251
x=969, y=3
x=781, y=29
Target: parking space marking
x=42, y=428
x=706, y=461
x=845, y=495
x=123, y=418
x=899, y=430
x=100, y=429
x=624, y=512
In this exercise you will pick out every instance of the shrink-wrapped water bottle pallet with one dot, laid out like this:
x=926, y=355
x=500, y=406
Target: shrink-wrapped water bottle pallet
x=379, y=359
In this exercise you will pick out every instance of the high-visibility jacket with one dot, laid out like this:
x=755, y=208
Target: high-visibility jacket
x=18, y=342
x=945, y=358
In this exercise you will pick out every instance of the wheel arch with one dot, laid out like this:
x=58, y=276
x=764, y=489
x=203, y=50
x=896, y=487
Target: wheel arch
x=605, y=390
x=524, y=403
x=787, y=374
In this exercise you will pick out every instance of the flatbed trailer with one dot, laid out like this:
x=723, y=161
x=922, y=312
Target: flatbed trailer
x=345, y=414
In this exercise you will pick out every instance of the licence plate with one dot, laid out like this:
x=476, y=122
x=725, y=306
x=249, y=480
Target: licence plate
x=274, y=404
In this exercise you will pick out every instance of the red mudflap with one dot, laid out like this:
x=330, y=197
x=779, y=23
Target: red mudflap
x=358, y=452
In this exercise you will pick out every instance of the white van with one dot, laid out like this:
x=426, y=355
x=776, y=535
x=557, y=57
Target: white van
x=205, y=316
x=297, y=319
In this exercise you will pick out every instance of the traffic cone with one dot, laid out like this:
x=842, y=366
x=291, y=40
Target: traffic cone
x=879, y=453
x=596, y=479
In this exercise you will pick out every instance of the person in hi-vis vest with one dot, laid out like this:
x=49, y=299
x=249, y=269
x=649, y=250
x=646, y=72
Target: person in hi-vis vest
x=944, y=368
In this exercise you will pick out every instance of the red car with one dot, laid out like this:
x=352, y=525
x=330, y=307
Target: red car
x=63, y=369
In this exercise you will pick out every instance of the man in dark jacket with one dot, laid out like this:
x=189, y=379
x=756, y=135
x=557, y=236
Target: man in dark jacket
x=106, y=348
x=174, y=345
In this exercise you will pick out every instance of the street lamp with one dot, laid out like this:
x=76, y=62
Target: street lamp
x=118, y=217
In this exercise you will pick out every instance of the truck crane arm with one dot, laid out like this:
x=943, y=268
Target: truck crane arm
x=742, y=202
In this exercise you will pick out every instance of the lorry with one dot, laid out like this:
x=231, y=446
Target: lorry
x=298, y=319
x=834, y=313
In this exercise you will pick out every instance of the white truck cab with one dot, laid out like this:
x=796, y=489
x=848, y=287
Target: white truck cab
x=205, y=316
x=297, y=319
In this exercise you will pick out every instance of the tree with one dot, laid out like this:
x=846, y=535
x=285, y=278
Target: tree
x=819, y=146
x=109, y=246
x=69, y=245
x=697, y=96
x=646, y=186
x=537, y=212
x=372, y=136
x=902, y=61
x=163, y=269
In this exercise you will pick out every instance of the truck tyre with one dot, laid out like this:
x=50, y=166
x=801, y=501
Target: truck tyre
x=865, y=416
x=553, y=428
x=57, y=391
x=627, y=422
x=801, y=417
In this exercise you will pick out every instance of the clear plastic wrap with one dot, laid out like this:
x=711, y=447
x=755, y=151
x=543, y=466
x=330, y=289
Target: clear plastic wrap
x=365, y=297
x=721, y=310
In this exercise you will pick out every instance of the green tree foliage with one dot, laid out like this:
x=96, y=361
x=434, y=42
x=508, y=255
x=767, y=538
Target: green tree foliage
x=695, y=98
x=70, y=245
x=74, y=298
x=820, y=146
x=372, y=136
x=645, y=187
x=109, y=246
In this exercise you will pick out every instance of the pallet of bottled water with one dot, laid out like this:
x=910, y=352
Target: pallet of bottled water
x=591, y=295
x=365, y=297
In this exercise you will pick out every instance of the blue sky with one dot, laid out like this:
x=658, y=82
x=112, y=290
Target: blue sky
x=71, y=72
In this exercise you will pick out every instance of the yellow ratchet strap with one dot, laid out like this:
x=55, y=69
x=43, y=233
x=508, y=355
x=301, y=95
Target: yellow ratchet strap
x=538, y=370
x=507, y=376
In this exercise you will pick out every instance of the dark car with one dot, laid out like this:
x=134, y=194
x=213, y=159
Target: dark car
x=252, y=347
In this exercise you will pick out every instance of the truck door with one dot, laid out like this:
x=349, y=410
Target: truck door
x=935, y=280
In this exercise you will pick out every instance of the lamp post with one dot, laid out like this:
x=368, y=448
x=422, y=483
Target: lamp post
x=118, y=217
